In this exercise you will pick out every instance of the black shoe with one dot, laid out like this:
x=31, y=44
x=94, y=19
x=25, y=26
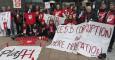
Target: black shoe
x=109, y=50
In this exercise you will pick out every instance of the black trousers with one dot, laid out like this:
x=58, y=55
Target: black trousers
x=19, y=28
x=51, y=35
x=112, y=40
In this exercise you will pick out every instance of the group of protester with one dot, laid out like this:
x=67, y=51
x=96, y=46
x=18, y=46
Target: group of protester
x=31, y=22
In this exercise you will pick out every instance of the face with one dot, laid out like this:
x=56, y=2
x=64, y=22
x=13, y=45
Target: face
x=88, y=9
x=58, y=6
x=30, y=6
x=103, y=6
x=112, y=7
x=37, y=7
x=71, y=16
x=71, y=7
x=51, y=22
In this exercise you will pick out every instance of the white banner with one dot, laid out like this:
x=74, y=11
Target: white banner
x=17, y=3
x=57, y=20
x=95, y=39
x=89, y=39
x=66, y=38
x=20, y=53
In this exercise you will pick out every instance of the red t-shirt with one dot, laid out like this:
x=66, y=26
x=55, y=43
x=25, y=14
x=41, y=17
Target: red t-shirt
x=101, y=16
x=58, y=13
x=30, y=18
x=111, y=18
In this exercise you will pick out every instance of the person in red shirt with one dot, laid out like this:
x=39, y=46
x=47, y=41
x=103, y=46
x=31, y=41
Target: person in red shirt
x=102, y=13
x=66, y=11
x=29, y=18
x=86, y=15
x=51, y=29
x=110, y=19
x=37, y=10
x=58, y=11
x=71, y=20
x=41, y=17
x=71, y=9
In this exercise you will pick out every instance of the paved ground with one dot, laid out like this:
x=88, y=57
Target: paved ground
x=51, y=54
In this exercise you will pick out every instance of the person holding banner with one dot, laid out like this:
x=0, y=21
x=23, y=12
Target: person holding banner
x=110, y=19
x=70, y=20
x=43, y=33
x=58, y=11
x=102, y=13
x=30, y=21
x=86, y=13
x=71, y=9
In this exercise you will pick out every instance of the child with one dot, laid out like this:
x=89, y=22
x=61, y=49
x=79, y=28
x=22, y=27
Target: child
x=51, y=29
x=43, y=30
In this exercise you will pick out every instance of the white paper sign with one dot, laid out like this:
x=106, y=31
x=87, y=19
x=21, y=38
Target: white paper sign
x=47, y=5
x=17, y=3
x=5, y=22
x=20, y=53
x=57, y=20
x=5, y=17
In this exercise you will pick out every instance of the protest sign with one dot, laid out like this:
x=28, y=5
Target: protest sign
x=66, y=37
x=20, y=53
x=5, y=22
x=17, y=3
x=47, y=5
x=57, y=20
x=89, y=39
x=95, y=39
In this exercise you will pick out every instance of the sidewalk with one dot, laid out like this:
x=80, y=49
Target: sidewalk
x=111, y=56
x=51, y=54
